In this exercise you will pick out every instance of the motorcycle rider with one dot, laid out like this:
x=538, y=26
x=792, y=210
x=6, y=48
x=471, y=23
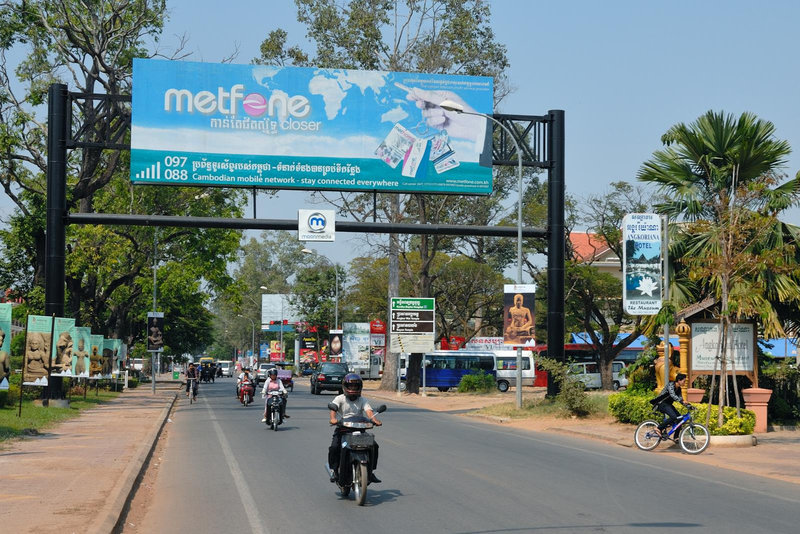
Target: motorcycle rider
x=273, y=383
x=351, y=404
x=244, y=380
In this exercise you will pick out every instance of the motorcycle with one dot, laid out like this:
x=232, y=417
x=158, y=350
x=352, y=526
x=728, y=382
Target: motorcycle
x=274, y=402
x=354, y=464
x=246, y=393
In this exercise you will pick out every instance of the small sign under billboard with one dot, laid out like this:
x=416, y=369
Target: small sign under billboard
x=309, y=128
x=316, y=225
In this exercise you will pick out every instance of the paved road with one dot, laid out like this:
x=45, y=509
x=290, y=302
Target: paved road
x=441, y=473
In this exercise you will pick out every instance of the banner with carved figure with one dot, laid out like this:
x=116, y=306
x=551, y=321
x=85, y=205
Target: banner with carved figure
x=38, y=337
x=61, y=354
x=81, y=350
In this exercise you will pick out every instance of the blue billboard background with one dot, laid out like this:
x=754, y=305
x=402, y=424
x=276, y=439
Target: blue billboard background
x=304, y=128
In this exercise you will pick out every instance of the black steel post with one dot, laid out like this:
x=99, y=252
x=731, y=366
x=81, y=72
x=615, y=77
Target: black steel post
x=556, y=246
x=55, y=238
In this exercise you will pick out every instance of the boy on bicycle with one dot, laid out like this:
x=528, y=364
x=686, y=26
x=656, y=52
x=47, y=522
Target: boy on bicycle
x=663, y=403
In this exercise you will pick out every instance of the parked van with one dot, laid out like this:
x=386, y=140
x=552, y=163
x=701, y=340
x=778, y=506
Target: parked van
x=506, y=367
x=589, y=374
x=227, y=368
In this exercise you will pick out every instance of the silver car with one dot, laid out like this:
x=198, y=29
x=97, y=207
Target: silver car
x=261, y=374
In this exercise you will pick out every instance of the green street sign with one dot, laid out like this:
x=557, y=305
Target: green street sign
x=408, y=303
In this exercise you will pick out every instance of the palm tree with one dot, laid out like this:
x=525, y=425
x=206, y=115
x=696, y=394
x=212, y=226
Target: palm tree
x=722, y=179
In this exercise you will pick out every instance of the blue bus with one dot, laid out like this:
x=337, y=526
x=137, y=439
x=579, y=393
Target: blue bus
x=445, y=368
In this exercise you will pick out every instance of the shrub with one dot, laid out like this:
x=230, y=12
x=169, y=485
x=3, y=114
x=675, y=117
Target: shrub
x=630, y=406
x=635, y=407
x=4, y=398
x=480, y=382
x=572, y=394
x=133, y=382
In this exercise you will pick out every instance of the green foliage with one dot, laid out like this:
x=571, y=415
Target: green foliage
x=783, y=378
x=480, y=382
x=572, y=394
x=720, y=174
x=133, y=382
x=631, y=406
x=641, y=375
x=634, y=407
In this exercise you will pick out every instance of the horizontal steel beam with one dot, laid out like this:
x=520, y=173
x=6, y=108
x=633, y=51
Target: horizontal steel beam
x=291, y=224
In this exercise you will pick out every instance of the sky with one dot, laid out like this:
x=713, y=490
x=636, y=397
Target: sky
x=623, y=72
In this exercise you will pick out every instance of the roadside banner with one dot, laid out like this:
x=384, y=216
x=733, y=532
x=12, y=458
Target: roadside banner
x=518, y=312
x=80, y=352
x=155, y=331
x=96, y=356
x=355, y=342
x=39, y=335
x=5, y=344
x=61, y=354
x=642, y=263
x=285, y=127
x=335, y=345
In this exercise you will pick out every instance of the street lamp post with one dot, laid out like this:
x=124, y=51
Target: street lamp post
x=336, y=274
x=449, y=105
x=253, y=339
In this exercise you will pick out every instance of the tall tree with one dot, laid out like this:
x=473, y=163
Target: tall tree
x=722, y=177
x=90, y=46
x=436, y=36
x=595, y=298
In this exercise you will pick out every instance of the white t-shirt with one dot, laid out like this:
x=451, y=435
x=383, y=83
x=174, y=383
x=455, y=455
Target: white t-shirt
x=348, y=408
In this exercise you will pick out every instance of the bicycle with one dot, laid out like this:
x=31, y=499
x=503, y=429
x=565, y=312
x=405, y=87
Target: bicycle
x=692, y=437
x=193, y=389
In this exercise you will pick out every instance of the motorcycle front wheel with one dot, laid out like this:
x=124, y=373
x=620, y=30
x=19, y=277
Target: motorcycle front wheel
x=276, y=416
x=360, y=479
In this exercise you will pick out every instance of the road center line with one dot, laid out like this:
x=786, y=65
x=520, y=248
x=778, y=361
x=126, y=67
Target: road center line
x=245, y=495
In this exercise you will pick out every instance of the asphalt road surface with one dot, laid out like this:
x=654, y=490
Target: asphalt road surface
x=442, y=473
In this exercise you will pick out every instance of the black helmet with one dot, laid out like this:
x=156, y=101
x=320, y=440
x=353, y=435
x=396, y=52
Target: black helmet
x=352, y=385
x=272, y=372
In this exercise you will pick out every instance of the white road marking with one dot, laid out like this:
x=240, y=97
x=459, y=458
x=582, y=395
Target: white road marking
x=242, y=488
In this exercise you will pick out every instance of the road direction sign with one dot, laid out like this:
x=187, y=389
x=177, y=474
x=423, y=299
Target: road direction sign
x=412, y=324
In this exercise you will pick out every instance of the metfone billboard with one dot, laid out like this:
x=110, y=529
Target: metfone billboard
x=306, y=128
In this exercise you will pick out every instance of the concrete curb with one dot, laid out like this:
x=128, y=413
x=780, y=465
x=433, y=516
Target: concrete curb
x=121, y=496
x=733, y=441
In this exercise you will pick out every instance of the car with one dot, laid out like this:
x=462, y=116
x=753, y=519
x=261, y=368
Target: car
x=589, y=374
x=307, y=370
x=261, y=374
x=227, y=367
x=328, y=376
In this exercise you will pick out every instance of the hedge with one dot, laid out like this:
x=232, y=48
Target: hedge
x=635, y=407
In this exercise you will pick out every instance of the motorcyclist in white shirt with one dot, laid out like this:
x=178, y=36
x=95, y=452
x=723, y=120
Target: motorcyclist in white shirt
x=273, y=383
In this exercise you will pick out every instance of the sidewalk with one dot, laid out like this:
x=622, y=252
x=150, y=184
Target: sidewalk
x=78, y=476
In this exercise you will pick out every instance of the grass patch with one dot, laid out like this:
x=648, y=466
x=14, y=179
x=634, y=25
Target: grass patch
x=37, y=418
x=598, y=404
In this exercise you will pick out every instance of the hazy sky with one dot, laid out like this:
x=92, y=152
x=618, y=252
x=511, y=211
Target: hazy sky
x=623, y=71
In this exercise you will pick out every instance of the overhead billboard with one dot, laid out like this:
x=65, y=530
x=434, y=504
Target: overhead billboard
x=229, y=125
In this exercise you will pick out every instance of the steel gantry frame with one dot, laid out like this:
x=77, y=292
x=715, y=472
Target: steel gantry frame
x=81, y=120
